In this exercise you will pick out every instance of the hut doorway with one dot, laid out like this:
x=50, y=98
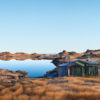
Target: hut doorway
x=70, y=71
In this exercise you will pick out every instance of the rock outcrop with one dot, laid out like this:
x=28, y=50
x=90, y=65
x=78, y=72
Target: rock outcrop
x=11, y=77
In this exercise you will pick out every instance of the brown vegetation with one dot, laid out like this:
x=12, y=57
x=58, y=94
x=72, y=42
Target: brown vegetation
x=93, y=54
x=66, y=88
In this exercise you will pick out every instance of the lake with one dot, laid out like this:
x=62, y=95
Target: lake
x=35, y=68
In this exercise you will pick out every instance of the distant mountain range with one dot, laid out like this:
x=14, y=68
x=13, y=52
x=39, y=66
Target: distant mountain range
x=88, y=54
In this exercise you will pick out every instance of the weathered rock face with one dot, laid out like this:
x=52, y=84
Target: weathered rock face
x=90, y=54
x=92, y=51
x=11, y=76
x=63, y=53
x=58, y=61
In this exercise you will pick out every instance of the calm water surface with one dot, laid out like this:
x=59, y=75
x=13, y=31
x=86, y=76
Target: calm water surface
x=35, y=68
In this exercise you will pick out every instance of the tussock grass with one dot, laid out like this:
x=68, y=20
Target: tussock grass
x=6, y=97
x=50, y=94
x=22, y=97
x=46, y=98
x=5, y=91
x=81, y=88
x=66, y=88
x=2, y=87
x=19, y=91
x=15, y=87
x=36, y=97
x=81, y=95
x=54, y=88
x=39, y=91
x=28, y=91
x=39, y=82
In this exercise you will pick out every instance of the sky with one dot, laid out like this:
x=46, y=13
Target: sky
x=49, y=26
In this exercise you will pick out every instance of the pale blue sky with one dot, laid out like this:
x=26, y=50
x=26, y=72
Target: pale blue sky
x=49, y=26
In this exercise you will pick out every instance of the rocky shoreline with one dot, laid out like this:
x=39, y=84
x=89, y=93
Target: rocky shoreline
x=11, y=77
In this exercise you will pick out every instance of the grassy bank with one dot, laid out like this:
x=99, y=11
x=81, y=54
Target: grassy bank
x=67, y=88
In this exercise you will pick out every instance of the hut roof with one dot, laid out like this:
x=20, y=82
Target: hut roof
x=92, y=62
x=67, y=64
x=79, y=62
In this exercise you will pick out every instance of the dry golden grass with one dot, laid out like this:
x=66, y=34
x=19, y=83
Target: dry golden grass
x=6, y=97
x=29, y=91
x=15, y=87
x=19, y=91
x=66, y=88
x=5, y=91
x=22, y=97
x=2, y=87
x=36, y=97
x=46, y=98
x=50, y=94
x=39, y=91
x=39, y=82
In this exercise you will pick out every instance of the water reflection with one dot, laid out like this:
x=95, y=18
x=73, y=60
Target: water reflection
x=35, y=68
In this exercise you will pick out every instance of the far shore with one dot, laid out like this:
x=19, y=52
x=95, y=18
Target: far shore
x=93, y=55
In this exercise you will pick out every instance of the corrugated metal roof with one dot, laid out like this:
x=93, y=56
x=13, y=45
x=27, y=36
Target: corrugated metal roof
x=92, y=62
x=80, y=63
x=67, y=64
x=77, y=62
x=88, y=62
